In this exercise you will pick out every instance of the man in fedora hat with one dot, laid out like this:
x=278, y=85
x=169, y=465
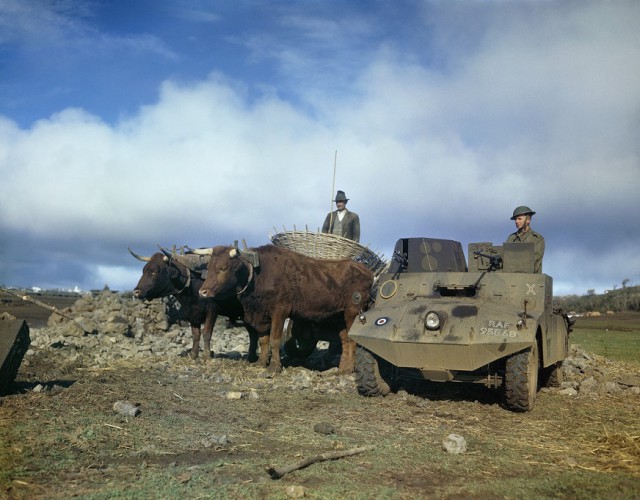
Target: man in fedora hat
x=342, y=221
x=524, y=234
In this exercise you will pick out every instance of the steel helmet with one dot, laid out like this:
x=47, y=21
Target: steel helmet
x=522, y=210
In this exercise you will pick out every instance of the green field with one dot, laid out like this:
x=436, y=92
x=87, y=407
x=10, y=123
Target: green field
x=616, y=337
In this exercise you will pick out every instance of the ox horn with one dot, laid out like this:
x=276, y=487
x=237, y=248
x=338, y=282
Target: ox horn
x=165, y=251
x=200, y=251
x=167, y=254
x=143, y=259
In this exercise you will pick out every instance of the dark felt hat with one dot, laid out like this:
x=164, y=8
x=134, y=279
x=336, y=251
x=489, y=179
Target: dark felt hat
x=340, y=196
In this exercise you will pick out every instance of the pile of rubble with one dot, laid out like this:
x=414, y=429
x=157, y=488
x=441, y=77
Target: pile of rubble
x=111, y=330
x=98, y=330
x=114, y=314
x=590, y=374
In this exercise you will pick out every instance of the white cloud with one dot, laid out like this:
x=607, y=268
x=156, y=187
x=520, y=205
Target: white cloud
x=542, y=113
x=117, y=277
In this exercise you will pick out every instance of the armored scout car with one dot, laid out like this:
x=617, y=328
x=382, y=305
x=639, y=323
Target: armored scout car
x=490, y=322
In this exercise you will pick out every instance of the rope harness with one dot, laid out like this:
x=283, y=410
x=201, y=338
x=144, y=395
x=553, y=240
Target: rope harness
x=193, y=263
x=188, y=283
x=248, y=280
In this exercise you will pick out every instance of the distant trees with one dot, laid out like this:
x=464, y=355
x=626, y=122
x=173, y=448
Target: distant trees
x=622, y=299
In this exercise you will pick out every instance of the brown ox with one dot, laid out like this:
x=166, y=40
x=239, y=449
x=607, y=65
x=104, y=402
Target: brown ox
x=167, y=274
x=273, y=283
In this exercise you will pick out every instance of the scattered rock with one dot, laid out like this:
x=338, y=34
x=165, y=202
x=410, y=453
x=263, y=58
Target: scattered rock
x=212, y=440
x=301, y=381
x=569, y=391
x=611, y=387
x=454, y=444
x=587, y=385
x=295, y=491
x=630, y=381
x=324, y=428
x=125, y=408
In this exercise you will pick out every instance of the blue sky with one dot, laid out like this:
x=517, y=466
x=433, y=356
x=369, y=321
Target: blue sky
x=133, y=123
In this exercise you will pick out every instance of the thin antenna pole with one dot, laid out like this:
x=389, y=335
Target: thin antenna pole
x=333, y=189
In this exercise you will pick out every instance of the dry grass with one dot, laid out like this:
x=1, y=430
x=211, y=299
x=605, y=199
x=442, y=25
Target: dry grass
x=71, y=440
x=618, y=452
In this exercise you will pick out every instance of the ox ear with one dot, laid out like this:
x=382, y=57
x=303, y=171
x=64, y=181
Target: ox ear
x=234, y=252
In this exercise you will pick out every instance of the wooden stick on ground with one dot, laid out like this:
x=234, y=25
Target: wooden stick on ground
x=278, y=472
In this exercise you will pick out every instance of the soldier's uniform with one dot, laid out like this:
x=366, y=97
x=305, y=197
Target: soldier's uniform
x=538, y=245
x=528, y=236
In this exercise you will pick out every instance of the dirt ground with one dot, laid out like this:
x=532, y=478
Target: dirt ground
x=35, y=315
x=211, y=429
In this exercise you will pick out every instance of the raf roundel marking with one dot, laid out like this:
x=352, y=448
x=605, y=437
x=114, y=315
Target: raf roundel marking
x=381, y=321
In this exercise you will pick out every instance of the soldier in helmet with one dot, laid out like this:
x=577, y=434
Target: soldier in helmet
x=342, y=221
x=524, y=234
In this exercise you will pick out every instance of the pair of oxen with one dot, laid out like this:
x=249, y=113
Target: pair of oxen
x=263, y=286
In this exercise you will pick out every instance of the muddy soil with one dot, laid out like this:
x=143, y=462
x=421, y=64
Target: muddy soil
x=211, y=428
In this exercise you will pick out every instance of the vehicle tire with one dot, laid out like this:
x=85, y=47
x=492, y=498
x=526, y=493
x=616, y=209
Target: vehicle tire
x=521, y=379
x=368, y=378
x=553, y=375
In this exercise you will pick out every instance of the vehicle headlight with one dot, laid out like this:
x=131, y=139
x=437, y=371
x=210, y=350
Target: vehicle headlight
x=432, y=320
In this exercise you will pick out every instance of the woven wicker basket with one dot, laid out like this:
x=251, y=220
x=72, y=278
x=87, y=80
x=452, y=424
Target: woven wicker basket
x=329, y=246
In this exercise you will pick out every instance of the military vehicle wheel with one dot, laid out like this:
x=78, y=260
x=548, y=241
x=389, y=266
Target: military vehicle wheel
x=521, y=379
x=299, y=348
x=368, y=378
x=553, y=375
